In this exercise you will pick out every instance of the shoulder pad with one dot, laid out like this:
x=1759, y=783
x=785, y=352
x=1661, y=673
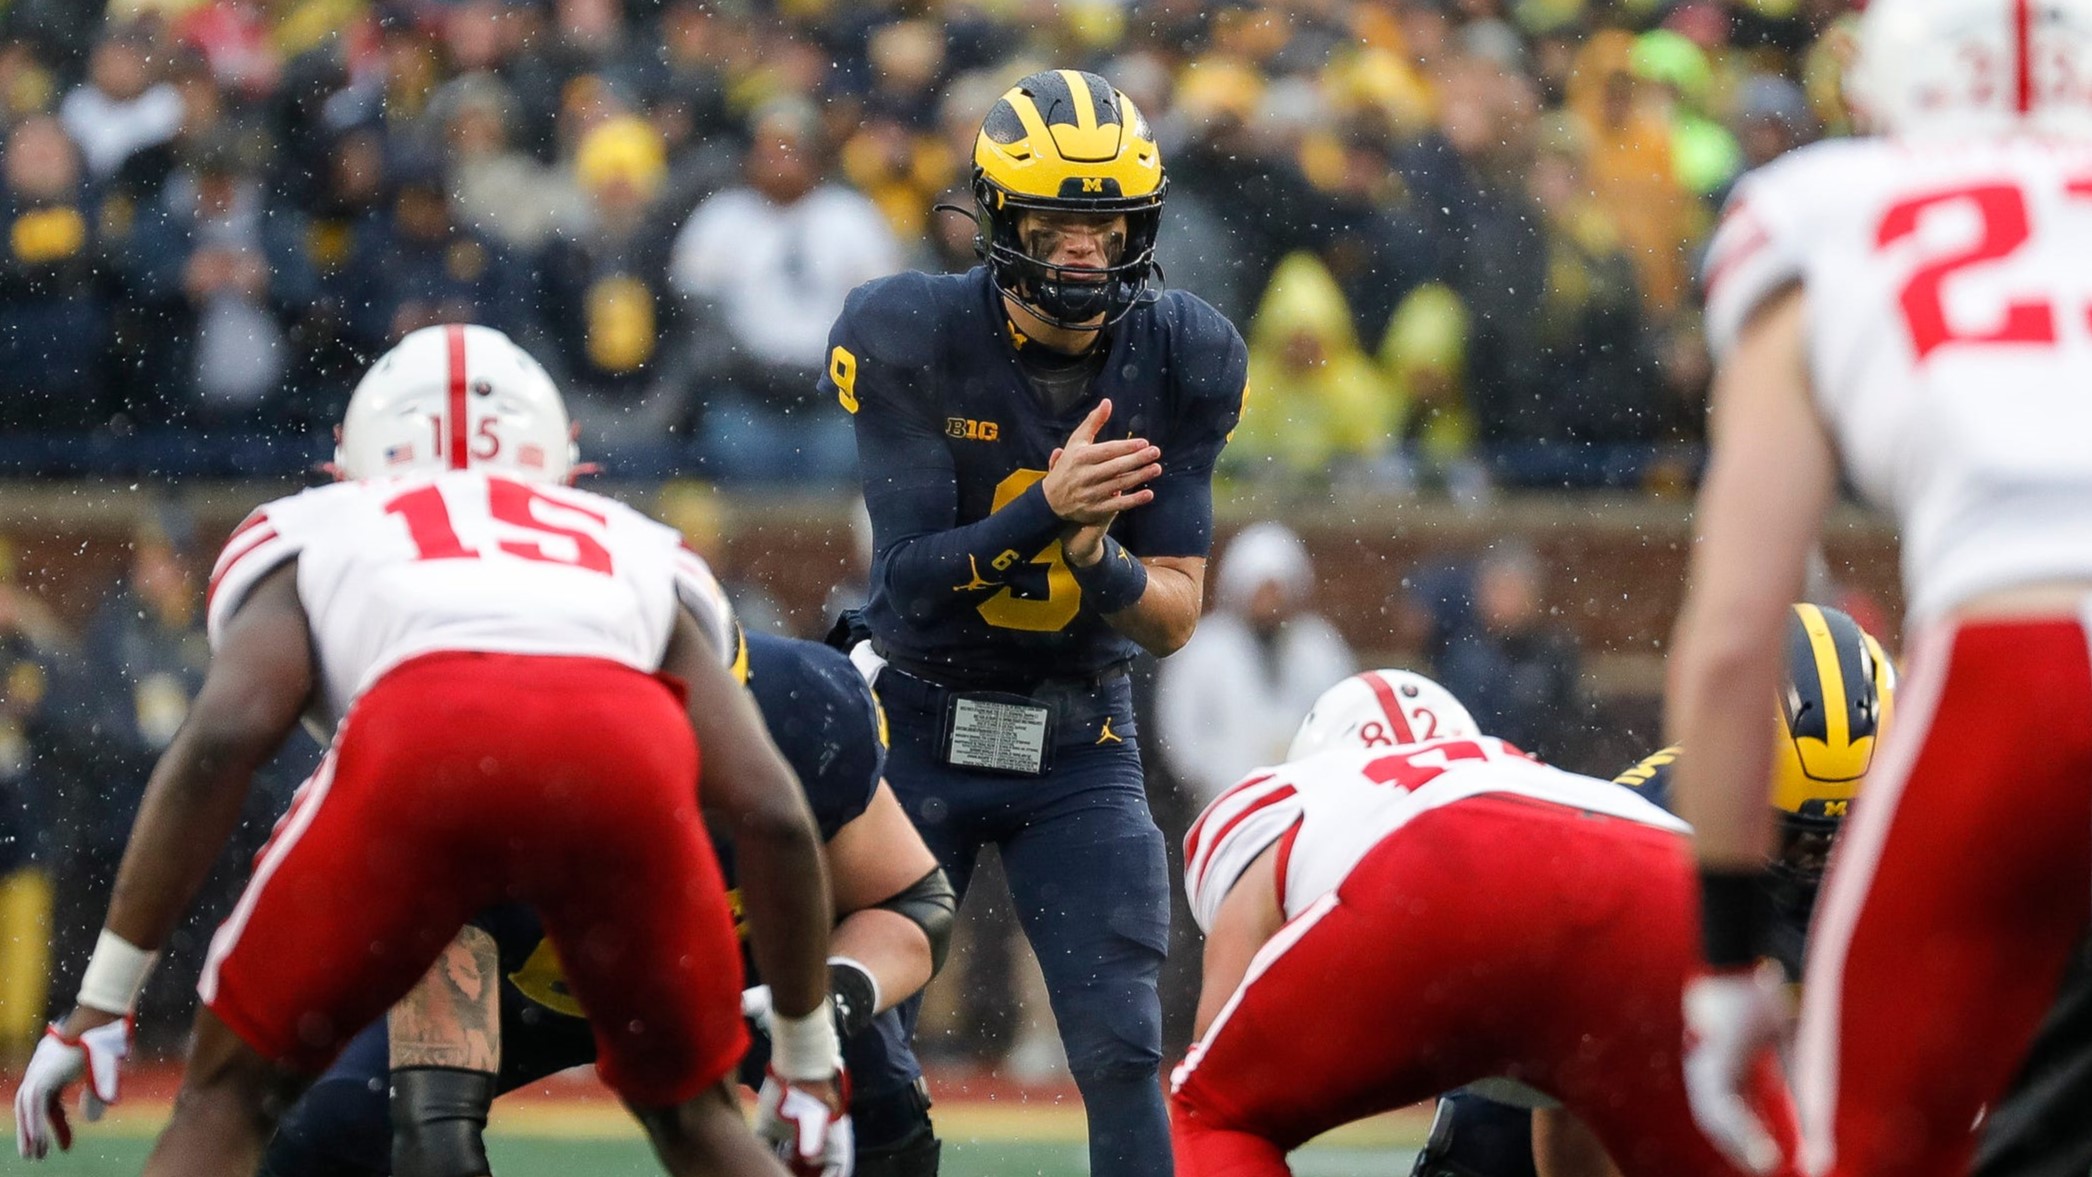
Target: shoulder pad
x=899, y=319
x=1770, y=226
x=821, y=715
x=1207, y=352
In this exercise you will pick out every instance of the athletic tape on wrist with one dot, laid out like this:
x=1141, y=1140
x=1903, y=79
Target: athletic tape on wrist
x=805, y=1048
x=115, y=974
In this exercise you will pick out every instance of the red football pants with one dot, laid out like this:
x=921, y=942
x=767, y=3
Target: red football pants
x=1494, y=936
x=1953, y=902
x=459, y=781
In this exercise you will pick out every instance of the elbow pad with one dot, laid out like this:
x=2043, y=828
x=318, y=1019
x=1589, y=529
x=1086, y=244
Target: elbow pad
x=929, y=902
x=439, y=1121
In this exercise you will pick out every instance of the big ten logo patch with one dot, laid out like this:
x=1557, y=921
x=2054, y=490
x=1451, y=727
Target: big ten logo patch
x=967, y=429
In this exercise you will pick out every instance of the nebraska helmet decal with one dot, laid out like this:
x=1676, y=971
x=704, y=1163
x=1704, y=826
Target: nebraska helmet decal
x=452, y=397
x=1380, y=709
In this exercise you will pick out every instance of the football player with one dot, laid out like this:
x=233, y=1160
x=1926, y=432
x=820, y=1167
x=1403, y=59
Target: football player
x=1830, y=715
x=1905, y=310
x=518, y=679
x=496, y=1013
x=1447, y=912
x=1037, y=439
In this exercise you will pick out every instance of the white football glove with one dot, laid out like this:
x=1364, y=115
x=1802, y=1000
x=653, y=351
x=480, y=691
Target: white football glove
x=809, y=1138
x=1731, y=1019
x=59, y=1060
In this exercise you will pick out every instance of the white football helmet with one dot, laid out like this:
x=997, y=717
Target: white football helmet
x=455, y=396
x=1959, y=68
x=1380, y=709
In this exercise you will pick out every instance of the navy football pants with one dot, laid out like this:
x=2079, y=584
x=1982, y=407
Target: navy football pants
x=1089, y=881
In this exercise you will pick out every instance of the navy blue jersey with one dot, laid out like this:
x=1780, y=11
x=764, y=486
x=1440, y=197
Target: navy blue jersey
x=968, y=578
x=1793, y=903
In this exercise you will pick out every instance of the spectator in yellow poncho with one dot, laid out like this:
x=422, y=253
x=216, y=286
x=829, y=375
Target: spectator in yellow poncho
x=1316, y=403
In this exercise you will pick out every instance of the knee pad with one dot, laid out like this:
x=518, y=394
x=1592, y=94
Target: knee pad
x=439, y=1121
x=1114, y=1033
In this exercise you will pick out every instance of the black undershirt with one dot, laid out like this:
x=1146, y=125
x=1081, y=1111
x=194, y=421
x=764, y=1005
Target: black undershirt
x=1058, y=379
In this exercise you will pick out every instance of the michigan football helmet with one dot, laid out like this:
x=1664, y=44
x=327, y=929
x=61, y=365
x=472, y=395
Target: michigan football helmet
x=1065, y=141
x=1381, y=709
x=455, y=396
x=1939, y=68
x=1832, y=711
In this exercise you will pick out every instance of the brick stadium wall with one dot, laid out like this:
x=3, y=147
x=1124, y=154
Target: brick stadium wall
x=1616, y=566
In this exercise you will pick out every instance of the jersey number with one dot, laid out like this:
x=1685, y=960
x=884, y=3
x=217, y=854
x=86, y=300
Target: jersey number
x=1411, y=770
x=2004, y=226
x=1048, y=614
x=513, y=503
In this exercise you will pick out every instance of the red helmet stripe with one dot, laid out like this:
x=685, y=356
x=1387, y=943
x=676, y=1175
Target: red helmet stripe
x=1388, y=704
x=2023, y=55
x=454, y=338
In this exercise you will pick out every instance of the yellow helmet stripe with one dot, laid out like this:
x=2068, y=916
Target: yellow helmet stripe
x=1837, y=717
x=1028, y=113
x=1085, y=109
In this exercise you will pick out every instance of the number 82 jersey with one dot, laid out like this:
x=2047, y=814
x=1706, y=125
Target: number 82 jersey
x=392, y=568
x=1949, y=340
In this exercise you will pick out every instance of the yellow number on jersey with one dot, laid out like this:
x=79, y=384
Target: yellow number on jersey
x=1007, y=610
x=842, y=368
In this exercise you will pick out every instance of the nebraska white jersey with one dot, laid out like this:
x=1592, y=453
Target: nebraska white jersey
x=396, y=567
x=1949, y=336
x=1334, y=807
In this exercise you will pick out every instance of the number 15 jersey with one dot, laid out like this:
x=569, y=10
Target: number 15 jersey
x=1949, y=340
x=392, y=568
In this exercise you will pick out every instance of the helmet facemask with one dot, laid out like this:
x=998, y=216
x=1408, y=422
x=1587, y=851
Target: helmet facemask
x=1077, y=298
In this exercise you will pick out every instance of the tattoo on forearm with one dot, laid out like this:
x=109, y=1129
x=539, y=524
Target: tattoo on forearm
x=452, y=1018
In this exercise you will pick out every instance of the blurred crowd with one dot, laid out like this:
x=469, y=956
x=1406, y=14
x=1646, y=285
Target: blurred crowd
x=1459, y=234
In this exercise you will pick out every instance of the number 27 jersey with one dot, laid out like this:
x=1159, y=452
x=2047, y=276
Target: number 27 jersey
x=392, y=568
x=1949, y=340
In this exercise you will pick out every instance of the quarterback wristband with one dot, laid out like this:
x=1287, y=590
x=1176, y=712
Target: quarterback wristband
x=805, y=1048
x=115, y=974
x=855, y=993
x=1115, y=582
x=1732, y=916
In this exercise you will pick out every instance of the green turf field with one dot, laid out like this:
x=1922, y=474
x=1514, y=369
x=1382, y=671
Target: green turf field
x=109, y=1150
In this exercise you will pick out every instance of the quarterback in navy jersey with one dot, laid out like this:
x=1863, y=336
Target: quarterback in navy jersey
x=827, y=723
x=1037, y=440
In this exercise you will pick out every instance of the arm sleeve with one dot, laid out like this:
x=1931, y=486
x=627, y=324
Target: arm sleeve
x=254, y=549
x=698, y=591
x=929, y=565
x=1756, y=252
x=1215, y=366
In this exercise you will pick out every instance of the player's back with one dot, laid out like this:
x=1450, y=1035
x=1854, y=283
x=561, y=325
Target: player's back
x=1329, y=810
x=1949, y=336
x=389, y=569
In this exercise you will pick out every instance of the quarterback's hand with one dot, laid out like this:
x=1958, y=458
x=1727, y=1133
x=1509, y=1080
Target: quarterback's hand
x=807, y=1123
x=1091, y=481
x=1732, y=1018
x=92, y=1047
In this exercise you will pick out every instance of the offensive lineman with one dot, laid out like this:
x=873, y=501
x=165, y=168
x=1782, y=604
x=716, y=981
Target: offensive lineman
x=528, y=699
x=1037, y=440
x=462, y=1040
x=1533, y=927
x=1909, y=310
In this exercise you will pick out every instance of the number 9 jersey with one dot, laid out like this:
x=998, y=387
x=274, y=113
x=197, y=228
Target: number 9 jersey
x=392, y=568
x=1949, y=340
